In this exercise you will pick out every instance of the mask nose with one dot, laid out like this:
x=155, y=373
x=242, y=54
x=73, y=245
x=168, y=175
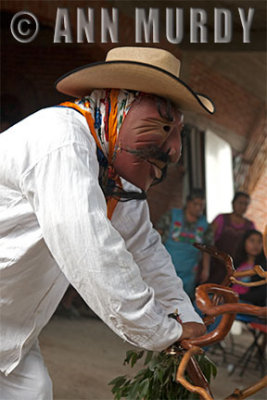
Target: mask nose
x=174, y=154
x=173, y=146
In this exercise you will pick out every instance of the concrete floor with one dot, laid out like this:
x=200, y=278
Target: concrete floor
x=83, y=355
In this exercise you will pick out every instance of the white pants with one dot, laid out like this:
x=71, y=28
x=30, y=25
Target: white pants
x=29, y=380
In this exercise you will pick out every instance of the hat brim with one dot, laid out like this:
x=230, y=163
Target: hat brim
x=133, y=76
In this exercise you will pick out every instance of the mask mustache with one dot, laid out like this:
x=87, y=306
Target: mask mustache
x=153, y=153
x=150, y=153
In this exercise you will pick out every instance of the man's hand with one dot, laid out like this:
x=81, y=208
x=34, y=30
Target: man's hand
x=192, y=330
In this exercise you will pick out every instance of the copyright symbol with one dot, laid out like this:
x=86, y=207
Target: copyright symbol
x=24, y=26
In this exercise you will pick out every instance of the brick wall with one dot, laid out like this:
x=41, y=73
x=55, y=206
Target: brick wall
x=235, y=107
x=257, y=210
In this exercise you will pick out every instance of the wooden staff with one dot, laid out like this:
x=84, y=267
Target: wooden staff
x=222, y=256
x=181, y=370
x=249, y=391
x=203, y=392
x=212, y=307
x=205, y=304
x=256, y=270
x=228, y=309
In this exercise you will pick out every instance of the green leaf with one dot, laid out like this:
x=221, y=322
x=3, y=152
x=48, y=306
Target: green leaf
x=160, y=375
x=213, y=369
x=143, y=389
x=152, y=364
x=132, y=357
x=118, y=381
x=148, y=358
x=129, y=354
x=140, y=354
x=143, y=373
x=132, y=395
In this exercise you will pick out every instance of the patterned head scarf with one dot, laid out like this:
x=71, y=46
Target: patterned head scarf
x=108, y=108
x=105, y=111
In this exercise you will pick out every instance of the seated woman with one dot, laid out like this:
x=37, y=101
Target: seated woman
x=249, y=254
x=228, y=232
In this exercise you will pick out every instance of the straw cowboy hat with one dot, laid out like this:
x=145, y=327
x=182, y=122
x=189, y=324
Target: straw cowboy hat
x=146, y=69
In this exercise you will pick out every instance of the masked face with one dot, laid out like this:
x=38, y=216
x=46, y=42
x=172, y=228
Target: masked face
x=148, y=140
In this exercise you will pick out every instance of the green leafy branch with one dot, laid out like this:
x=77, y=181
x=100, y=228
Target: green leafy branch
x=157, y=380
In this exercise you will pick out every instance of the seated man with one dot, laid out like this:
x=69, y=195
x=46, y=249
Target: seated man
x=65, y=175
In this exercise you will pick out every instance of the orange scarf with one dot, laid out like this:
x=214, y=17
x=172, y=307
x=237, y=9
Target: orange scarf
x=111, y=202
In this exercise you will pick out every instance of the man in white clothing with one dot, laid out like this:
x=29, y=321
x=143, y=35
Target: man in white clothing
x=73, y=180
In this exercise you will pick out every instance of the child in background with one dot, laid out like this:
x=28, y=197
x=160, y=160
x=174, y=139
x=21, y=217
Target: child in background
x=250, y=253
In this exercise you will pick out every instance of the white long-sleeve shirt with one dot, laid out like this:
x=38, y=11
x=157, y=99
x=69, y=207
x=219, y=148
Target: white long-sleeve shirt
x=54, y=231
